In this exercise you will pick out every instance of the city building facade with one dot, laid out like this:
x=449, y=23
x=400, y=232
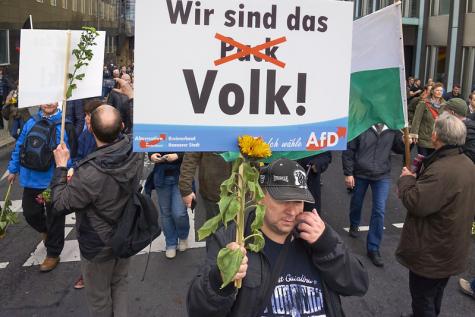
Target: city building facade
x=104, y=15
x=439, y=39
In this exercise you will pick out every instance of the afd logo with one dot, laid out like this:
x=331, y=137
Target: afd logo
x=152, y=143
x=326, y=140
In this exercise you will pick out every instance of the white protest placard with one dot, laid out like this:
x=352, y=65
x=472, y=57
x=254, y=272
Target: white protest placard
x=42, y=62
x=208, y=71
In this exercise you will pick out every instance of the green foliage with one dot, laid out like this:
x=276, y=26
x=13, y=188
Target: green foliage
x=7, y=216
x=229, y=262
x=235, y=195
x=83, y=54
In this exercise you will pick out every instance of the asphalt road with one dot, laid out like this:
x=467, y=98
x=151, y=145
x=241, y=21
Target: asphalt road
x=24, y=291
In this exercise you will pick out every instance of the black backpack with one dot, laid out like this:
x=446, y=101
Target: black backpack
x=137, y=226
x=36, y=153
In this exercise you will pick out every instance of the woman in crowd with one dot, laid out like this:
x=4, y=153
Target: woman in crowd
x=173, y=213
x=427, y=110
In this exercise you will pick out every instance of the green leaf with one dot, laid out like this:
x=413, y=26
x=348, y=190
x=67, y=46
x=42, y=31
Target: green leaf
x=259, y=220
x=80, y=76
x=209, y=227
x=257, y=244
x=229, y=185
x=229, y=262
x=3, y=225
x=70, y=76
x=232, y=210
x=69, y=93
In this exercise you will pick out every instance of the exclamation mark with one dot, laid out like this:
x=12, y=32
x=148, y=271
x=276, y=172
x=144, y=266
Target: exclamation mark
x=301, y=93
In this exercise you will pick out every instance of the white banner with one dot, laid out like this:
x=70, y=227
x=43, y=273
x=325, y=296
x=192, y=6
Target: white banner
x=211, y=70
x=42, y=61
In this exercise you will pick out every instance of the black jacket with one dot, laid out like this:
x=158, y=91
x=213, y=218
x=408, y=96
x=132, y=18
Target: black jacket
x=102, y=183
x=369, y=155
x=469, y=146
x=341, y=274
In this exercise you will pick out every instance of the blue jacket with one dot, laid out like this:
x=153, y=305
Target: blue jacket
x=86, y=144
x=28, y=177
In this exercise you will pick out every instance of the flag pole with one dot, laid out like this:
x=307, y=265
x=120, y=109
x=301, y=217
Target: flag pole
x=407, y=145
x=66, y=78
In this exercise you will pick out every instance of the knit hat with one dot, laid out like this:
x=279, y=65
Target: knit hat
x=458, y=106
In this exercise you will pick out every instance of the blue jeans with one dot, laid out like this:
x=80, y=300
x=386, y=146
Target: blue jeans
x=173, y=214
x=380, y=191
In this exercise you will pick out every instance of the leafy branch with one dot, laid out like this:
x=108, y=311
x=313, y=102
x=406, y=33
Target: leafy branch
x=83, y=54
x=237, y=192
x=7, y=216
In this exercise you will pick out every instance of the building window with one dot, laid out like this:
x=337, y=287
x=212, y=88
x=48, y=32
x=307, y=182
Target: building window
x=74, y=5
x=471, y=6
x=468, y=70
x=53, y=3
x=4, y=47
x=83, y=6
x=440, y=7
x=65, y=4
x=40, y=1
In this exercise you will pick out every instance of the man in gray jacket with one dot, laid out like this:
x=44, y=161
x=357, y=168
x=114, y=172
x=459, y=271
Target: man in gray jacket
x=98, y=191
x=302, y=270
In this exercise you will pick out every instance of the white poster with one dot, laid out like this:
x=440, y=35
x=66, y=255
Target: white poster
x=42, y=62
x=208, y=71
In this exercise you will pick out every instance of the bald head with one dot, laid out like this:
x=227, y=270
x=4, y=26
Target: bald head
x=127, y=78
x=106, y=123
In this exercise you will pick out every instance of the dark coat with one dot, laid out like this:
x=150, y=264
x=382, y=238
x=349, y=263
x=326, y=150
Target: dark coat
x=102, y=183
x=436, y=238
x=340, y=271
x=469, y=146
x=369, y=155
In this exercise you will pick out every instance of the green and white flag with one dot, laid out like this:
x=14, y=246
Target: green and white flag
x=378, y=84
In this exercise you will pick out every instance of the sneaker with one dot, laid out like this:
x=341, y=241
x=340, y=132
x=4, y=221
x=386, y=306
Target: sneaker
x=375, y=257
x=170, y=253
x=79, y=284
x=49, y=264
x=354, y=231
x=466, y=288
x=183, y=245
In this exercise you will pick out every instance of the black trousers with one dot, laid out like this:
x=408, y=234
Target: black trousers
x=426, y=295
x=42, y=220
x=314, y=186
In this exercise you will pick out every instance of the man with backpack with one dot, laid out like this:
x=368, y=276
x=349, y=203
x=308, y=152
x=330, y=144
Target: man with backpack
x=32, y=158
x=100, y=192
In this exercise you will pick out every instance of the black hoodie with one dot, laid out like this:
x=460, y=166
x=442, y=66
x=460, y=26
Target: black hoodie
x=469, y=146
x=102, y=183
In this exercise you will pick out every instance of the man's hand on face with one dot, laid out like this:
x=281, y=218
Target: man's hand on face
x=243, y=268
x=187, y=200
x=310, y=225
x=61, y=155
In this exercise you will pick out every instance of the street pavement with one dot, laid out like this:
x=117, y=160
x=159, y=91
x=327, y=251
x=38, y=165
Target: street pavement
x=24, y=291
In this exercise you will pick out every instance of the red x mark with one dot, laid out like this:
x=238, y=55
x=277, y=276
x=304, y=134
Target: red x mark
x=246, y=50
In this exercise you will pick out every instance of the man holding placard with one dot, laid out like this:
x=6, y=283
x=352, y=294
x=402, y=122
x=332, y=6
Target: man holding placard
x=32, y=158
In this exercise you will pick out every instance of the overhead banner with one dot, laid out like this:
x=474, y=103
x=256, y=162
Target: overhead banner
x=42, y=63
x=208, y=71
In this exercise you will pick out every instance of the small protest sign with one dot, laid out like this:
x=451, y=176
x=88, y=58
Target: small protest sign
x=42, y=67
x=208, y=71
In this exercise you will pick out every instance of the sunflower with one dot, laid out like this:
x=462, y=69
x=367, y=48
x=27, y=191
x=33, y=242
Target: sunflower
x=254, y=147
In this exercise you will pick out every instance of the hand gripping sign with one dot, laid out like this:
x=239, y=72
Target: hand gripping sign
x=207, y=71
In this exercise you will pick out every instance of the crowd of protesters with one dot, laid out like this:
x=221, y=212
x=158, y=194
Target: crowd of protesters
x=303, y=255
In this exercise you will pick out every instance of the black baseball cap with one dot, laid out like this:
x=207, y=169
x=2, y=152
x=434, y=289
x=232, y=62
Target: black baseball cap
x=285, y=180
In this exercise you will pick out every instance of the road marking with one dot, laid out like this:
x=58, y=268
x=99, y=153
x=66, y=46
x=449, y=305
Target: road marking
x=71, y=253
x=362, y=228
x=5, y=175
x=3, y=265
x=399, y=225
